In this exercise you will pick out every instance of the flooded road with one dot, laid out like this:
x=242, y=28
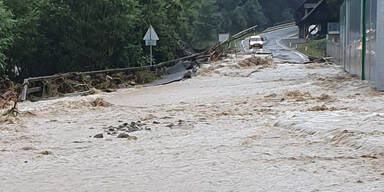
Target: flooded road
x=280, y=127
x=281, y=53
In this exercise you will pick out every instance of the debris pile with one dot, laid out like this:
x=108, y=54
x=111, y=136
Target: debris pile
x=322, y=108
x=100, y=102
x=326, y=60
x=324, y=97
x=297, y=96
x=7, y=99
x=10, y=94
x=181, y=124
x=8, y=119
x=87, y=83
x=122, y=131
x=256, y=61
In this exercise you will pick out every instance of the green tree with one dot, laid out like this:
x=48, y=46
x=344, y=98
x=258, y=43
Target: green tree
x=253, y=12
x=277, y=11
x=334, y=10
x=190, y=12
x=22, y=53
x=207, y=25
x=6, y=34
x=166, y=16
x=43, y=37
x=88, y=35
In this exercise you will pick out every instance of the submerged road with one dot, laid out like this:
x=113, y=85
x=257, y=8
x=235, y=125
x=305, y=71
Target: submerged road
x=280, y=52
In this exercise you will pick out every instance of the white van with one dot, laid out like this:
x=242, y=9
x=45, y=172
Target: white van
x=256, y=42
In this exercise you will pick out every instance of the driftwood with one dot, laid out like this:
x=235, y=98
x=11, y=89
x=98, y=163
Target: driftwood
x=6, y=98
x=319, y=60
x=11, y=98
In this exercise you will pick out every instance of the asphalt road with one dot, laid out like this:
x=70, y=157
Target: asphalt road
x=174, y=73
x=273, y=45
x=280, y=52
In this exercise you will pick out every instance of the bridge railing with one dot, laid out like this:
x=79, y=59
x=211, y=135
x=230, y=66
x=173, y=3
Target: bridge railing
x=280, y=26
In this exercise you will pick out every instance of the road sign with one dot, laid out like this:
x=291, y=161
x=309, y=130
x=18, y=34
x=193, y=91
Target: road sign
x=313, y=29
x=223, y=37
x=150, y=43
x=151, y=35
x=150, y=39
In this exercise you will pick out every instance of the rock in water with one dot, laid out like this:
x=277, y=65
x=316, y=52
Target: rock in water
x=99, y=136
x=188, y=75
x=123, y=135
x=132, y=138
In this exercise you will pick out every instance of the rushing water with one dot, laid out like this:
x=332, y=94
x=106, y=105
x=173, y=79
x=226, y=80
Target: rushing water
x=284, y=128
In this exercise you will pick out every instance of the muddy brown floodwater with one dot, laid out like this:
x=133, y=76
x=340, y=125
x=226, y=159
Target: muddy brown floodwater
x=281, y=128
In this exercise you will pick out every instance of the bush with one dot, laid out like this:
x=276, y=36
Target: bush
x=6, y=35
x=147, y=76
x=314, y=48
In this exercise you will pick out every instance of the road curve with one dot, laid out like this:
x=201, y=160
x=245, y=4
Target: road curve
x=281, y=53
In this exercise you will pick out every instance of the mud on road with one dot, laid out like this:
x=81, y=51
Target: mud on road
x=282, y=127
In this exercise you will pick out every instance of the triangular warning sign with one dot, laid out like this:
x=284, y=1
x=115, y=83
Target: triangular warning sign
x=151, y=35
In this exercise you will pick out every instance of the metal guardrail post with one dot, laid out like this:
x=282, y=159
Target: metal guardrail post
x=363, y=37
x=25, y=90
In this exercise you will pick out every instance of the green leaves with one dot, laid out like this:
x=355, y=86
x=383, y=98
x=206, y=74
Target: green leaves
x=207, y=25
x=7, y=25
x=44, y=37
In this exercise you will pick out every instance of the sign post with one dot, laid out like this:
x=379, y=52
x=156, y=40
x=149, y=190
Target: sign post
x=151, y=39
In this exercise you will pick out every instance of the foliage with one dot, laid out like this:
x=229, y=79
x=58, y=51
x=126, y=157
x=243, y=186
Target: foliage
x=314, y=48
x=334, y=10
x=44, y=37
x=6, y=34
x=88, y=35
x=279, y=10
x=147, y=76
x=207, y=25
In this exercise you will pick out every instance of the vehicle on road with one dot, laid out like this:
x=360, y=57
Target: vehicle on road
x=256, y=42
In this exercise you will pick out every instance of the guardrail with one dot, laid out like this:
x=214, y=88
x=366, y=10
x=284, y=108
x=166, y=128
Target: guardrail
x=278, y=27
x=220, y=48
x=130, y=70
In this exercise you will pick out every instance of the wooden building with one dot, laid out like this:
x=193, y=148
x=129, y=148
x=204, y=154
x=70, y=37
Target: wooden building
x=312, y=12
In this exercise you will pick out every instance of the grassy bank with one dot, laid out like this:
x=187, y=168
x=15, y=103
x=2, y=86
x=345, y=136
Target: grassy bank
x=313, y=48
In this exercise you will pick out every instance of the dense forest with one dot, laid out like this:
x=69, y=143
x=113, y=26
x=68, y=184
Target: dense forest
x=42, y=37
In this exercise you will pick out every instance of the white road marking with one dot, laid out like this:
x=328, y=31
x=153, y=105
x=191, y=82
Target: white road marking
x=302, y=56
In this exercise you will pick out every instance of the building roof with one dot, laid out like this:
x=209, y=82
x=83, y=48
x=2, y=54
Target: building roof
x=313, y=10
x=313, y=14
